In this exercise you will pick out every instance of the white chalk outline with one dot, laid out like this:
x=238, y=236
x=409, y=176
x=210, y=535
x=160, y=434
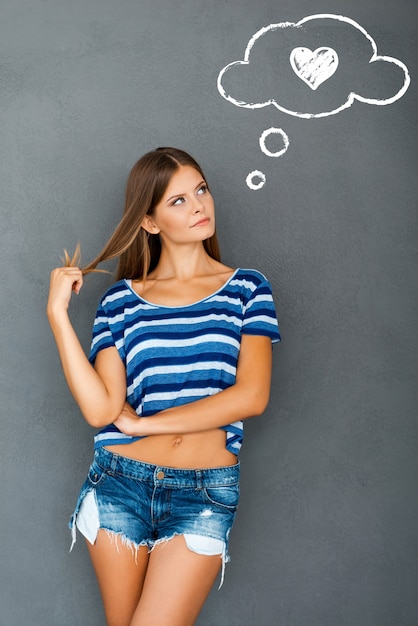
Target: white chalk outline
x=352, y=96
x=319, y=75
x=271, y=131
x=250, y=183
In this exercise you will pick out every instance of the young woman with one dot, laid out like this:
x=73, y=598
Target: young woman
x=181, y=354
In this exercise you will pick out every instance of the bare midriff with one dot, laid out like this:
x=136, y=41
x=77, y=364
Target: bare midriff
x=189, y=450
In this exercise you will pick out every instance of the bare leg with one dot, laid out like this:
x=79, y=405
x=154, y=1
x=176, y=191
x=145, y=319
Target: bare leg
x=176, y=585
x=120, y=575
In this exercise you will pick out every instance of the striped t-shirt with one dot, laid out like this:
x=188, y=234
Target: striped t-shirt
x=174, y=355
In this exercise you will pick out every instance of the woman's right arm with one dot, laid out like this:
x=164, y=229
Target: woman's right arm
x=100, y=392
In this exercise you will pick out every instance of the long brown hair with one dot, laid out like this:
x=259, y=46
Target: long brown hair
x=138, y=250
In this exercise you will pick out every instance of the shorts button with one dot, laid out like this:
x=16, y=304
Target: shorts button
x=160, y=475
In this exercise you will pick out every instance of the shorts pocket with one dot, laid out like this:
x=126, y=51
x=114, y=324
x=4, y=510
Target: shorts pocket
x=226, y=496
x=96, y=475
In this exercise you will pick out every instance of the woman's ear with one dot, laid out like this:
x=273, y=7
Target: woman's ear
x=149, y=225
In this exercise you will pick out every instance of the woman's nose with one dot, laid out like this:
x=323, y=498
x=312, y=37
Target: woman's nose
x=198, y=205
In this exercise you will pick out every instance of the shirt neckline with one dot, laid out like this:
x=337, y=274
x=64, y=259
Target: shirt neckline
x=128, y=283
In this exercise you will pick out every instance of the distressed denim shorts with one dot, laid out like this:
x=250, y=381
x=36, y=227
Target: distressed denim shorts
x=143, y=505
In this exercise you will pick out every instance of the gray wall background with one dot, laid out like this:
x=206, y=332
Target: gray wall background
x=327, y=531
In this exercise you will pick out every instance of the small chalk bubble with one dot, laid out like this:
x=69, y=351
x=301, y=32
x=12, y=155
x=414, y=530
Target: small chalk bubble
x=274, y=131
x=254, y=175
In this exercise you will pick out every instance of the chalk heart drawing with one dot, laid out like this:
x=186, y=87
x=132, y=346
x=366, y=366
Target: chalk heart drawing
x=314, y=68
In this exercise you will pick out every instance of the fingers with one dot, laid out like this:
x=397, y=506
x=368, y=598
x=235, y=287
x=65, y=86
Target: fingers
x=128, y=410
x=128, y=424
x=64, y=281
x=67, y=277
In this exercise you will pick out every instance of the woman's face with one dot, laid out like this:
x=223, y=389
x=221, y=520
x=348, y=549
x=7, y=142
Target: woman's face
x=186, y=212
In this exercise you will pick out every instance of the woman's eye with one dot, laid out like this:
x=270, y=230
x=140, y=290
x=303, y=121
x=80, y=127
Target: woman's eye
x=181, y=199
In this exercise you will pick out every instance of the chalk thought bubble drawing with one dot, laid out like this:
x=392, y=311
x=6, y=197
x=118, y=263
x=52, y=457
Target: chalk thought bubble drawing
x=274, y=131
x=256, y=179
x=315, y=67
x=252, y=176
x=331, y=51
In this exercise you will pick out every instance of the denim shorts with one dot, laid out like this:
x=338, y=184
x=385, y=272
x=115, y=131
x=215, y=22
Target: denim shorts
x=143, y=504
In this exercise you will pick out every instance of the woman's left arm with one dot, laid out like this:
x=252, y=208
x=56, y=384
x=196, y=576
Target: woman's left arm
x=248, y=397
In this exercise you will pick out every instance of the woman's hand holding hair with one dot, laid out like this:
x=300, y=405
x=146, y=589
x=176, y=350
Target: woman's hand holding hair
x=64, y=281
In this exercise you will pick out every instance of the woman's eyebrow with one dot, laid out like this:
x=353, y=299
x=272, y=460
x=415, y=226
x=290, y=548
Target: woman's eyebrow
x=177, y=195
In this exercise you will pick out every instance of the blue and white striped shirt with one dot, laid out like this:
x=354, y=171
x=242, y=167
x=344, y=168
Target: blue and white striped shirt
x=176, y=355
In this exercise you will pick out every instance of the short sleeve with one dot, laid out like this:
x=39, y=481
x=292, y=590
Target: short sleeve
x=260, y=316
x=102, y=336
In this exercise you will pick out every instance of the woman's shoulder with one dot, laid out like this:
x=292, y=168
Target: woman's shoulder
x=117, y=291
x=251, y=274
x=250, y=283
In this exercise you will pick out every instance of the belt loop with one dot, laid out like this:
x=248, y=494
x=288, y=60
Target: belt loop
x=199, y=481
x=114, y=463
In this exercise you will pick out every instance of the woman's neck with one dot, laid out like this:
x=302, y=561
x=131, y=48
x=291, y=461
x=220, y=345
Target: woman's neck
x=184, y=263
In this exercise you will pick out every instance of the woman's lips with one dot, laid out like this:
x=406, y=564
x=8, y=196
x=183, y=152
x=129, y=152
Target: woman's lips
x=202, y=222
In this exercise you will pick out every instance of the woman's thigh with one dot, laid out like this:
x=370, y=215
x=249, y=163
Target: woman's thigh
x=120, y=571
x=176, y=585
